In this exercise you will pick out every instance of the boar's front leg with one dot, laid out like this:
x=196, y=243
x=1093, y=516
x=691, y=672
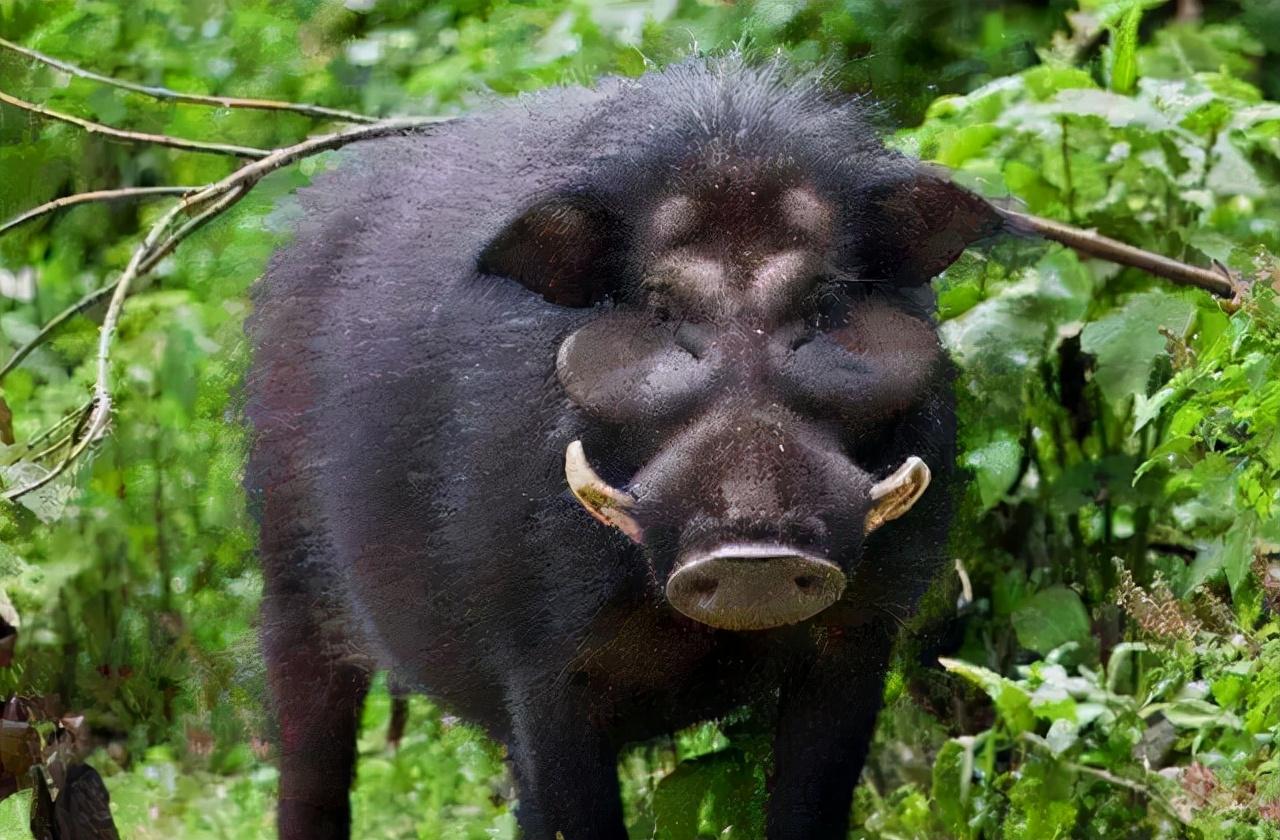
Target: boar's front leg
x=566, y=769
x=826, y=719
x=318, y=694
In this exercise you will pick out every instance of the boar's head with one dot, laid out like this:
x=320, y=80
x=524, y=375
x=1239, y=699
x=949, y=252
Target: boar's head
x=753, y=340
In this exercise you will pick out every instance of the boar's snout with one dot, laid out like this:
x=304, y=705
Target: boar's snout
x=757, y=586
x=732, y=581
x=754, y=586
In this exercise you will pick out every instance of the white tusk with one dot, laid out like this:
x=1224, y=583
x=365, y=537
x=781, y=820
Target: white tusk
x=606, y=503
x=895, y=495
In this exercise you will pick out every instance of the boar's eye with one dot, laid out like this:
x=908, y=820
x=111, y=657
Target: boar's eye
x=561, y=248
x=915, y=227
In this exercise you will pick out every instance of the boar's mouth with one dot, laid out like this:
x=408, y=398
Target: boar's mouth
x=747, y=586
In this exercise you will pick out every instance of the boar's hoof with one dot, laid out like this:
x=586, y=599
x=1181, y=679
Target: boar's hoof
x=754, y=587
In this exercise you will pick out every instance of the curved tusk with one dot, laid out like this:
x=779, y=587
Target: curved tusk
x=606, y=503
x=895, y=495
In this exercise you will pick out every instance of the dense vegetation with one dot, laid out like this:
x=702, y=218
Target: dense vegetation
x=1112, y=635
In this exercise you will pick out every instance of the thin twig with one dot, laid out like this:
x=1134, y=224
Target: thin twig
x=250, y=173
x=49, y=432
x=142, y=260
x=70, y=437
x=86, y=197
x=101, y=412
x=156, y=92
x=191, y=226
x=223, y=194
x=1095, y=244
x=54, y=323
x=135, y=136
x=98, y=295
x=245, y=176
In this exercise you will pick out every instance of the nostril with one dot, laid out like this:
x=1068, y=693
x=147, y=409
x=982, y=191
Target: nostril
x=806, y=582
x=703, y=585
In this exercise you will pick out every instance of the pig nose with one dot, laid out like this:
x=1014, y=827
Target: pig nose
x=754, y=586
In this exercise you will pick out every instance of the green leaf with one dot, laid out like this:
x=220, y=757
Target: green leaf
x=1231, y=173
x=959, y=146
x=1191, y=713
x=705, y=795
x=1013, y=701
x=1043, y=803
x=1124, y=51
x=1045, y=80
x=952, y=780
x=995, y=466
x=1127, y=341
x=1146, y=409
x=1051, y=618
x=1237, y=551
x=15, y=815
x=1062, y=736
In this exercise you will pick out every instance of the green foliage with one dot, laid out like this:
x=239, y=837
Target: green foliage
x=1119, y=674
x=1091, y=440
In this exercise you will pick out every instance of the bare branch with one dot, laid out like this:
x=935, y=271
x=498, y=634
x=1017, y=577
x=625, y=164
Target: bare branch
x=190, y=98
x=101, y=413
x=250, y=173
x=237, y=184
x=215, y=199
x=79, y=416
x=1095, y=244
x=76, y=450
x=86, y=197
x=50, y=432
x=98, y=295
x=191, y=226
x=54, y=324
x=135, y=136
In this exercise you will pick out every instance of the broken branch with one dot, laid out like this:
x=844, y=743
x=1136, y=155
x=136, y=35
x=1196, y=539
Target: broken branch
x=163, y=93
x=1093, y=244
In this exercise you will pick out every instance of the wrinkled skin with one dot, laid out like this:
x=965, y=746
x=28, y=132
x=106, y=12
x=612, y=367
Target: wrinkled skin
x=716, y=281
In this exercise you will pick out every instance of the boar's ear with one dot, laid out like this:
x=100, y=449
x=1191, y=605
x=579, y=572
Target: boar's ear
x=560, y=248
x=921, y=225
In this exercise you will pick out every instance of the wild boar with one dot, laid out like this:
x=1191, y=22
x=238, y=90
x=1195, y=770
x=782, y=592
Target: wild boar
x=600, y=413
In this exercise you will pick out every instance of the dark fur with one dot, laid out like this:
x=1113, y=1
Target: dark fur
x=411, y=429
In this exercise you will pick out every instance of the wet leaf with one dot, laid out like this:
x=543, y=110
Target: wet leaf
x=1051, y=618
x=995, y=466
x=1012, y=700
x=1124, y=50
x=1127, y=341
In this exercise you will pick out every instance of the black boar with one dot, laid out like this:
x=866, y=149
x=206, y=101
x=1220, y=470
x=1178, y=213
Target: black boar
x=694, y=304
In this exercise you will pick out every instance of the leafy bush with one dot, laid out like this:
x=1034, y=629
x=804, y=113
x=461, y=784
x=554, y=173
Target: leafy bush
x=1118, y=431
